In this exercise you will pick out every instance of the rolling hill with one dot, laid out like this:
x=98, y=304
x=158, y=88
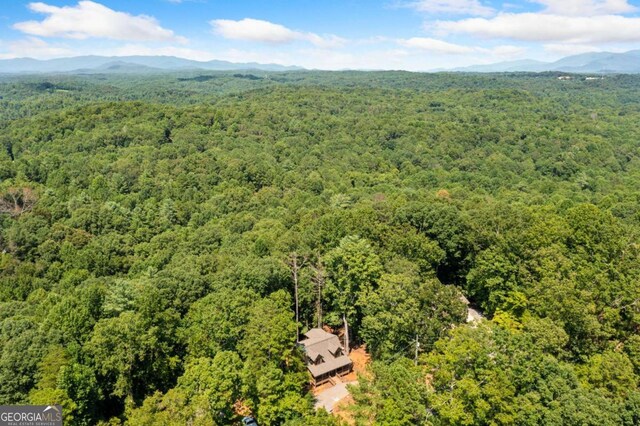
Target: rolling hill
x=585, y=63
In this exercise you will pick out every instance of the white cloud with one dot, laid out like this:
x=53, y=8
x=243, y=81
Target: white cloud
x=254, y=30
x=33, y=47
x=508, y=51
x=436, y=46
x=560, y=49
x=458, y=7
x=445, y=48
x=368, y=41
x=586, y=7
x=89, y=19
x=543, y=27
x=569, y=49
x=267, y=32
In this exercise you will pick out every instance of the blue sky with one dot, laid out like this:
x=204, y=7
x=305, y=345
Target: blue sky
x=324, y=34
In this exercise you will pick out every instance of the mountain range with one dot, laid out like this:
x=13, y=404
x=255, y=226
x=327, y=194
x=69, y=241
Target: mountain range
x=126, y=64
x=585, y=63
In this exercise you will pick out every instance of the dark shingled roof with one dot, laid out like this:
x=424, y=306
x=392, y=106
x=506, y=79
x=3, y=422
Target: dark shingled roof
x=327, y=345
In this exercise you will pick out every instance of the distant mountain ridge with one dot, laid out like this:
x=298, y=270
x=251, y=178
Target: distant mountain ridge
x=585, y=63
x=133, y=64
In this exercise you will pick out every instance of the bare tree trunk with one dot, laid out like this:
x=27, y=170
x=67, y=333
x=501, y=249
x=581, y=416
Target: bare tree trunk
x=346, y=333
x=318, y=281
x=293, y=263
x=319, y=306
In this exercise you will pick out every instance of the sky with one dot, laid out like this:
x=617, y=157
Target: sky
x=415, y=35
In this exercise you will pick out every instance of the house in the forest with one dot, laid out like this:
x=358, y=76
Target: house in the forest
x=324, y=355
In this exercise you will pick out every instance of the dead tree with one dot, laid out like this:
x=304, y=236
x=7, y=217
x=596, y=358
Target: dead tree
x=318, y=280
x=15, y=201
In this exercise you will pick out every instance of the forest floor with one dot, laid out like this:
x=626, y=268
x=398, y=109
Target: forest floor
x=361, y=360
x=341, y=410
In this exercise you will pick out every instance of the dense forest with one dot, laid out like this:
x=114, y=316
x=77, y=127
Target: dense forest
x=151, y=228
